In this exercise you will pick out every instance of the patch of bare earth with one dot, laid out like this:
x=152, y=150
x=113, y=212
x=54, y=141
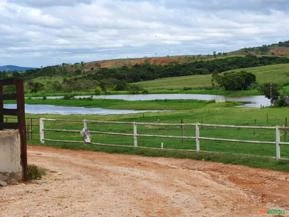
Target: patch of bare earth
x=80, y=183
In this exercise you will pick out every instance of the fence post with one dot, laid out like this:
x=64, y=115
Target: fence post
x=197, y=135
x=31, y=128
x=85, y=126
x=278, y=150
x=41, y=130
x=134, y=134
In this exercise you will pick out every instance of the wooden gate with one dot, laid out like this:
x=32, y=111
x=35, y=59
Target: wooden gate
x=18, y=112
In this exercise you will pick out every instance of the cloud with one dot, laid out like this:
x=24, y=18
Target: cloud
x=50, y=3
x=49, y=32
x=236, y=5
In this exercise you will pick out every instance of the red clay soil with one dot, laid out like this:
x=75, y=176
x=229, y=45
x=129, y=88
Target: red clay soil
x=280, y=51
x=81, y=183
x=132, y=62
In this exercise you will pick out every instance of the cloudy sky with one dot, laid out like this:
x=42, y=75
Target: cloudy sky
x=47, y=32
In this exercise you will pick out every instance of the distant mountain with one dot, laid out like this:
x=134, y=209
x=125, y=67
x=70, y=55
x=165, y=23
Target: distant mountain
x=12, y=68
x=277, y=49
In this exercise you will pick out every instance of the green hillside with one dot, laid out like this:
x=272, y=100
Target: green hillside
x=191, y=81
x=276, y=49
x=278, y=73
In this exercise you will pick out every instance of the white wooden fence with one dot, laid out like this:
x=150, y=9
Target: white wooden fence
x=197, y=134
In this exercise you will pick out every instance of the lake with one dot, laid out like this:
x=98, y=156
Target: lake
x=69, y=110
x=249, y=101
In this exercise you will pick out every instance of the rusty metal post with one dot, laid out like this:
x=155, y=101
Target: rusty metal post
x=31, y=128
x=22, y=126
x=1, y=107
x=19, y=112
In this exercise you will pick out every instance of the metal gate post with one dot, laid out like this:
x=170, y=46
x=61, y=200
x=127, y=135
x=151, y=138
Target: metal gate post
x=1, y=108
x=19, y=112
x=41, y=130
x=22, y=125
x=278, y=150
x=135, y=134
x=197, y=135
x=85, y=125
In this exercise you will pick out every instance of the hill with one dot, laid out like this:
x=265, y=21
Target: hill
x=277, y=49
x=119, y=78
x=13, y=68
x=123, y=74
x=130, y=62
x=278, y=73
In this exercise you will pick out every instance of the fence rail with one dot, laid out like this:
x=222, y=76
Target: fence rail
x=135, y=134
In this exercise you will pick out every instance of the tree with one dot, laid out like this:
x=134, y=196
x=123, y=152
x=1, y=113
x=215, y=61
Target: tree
x=270, y=90
x=235, y=80
x=34, y=86
x=120, y=85
x=56, y=86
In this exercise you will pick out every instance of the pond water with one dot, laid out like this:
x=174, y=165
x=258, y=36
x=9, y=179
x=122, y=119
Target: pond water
x=249, y=101
x=69, y=110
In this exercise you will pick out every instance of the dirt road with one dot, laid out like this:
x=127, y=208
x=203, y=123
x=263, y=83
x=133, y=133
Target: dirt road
x=80, y=183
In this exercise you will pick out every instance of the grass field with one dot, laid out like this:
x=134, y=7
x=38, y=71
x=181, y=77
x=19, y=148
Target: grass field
x=202, y=83
x=179, y=111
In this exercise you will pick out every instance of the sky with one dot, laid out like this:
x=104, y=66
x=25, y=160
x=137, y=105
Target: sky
x=48, y=32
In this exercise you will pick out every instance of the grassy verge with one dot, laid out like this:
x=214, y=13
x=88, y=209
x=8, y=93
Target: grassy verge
x=235, y=159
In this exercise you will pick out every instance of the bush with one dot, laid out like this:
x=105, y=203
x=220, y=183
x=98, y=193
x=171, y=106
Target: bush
x=270, y=90
x=134, y=89
x=280, y=102
x=34, y=172
x=68, y=96
x=97, y=91
x=120, y=85
x=187, y=88
x=35, y=87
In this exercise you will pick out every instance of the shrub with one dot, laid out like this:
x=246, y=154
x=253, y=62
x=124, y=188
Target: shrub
x=187, y=88
x=134, y=89
x=270, y=90
x=97, y=91
x=68, y=96
x=34, y=172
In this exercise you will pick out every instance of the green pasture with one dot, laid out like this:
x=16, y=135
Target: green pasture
x=278, y=73
x=175, y=112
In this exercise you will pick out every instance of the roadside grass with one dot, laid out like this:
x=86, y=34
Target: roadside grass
x=234, y=159
x=215, y=113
